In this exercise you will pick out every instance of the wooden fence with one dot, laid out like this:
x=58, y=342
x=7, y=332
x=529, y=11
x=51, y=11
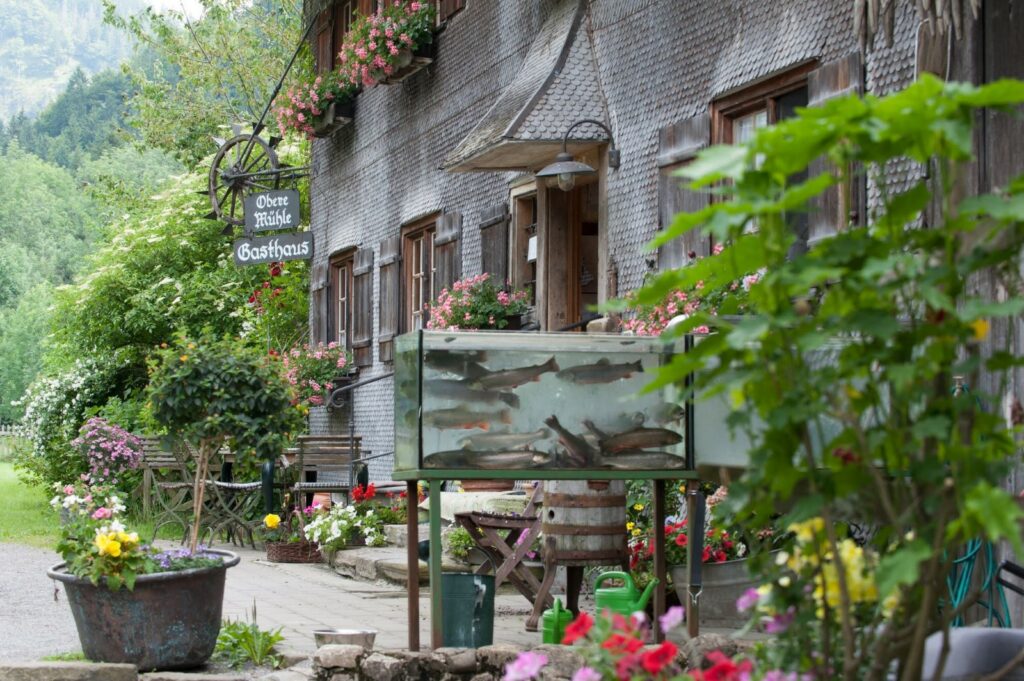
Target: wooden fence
x=10, y=434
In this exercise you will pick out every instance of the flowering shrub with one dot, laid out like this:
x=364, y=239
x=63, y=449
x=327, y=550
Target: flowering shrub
x=311, y=369
x=475, y=303
x=613, y=648
x=651, y=320
x=110, y=450
x=379, y=44
x=335, y=529
x=96, y=545
x=810, y=568
x=55, y=408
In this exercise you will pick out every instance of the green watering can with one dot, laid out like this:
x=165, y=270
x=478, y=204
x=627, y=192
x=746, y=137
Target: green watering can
x=553, y=623
x=625, y=599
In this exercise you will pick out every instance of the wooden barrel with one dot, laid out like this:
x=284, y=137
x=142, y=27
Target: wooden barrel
x=587, y=521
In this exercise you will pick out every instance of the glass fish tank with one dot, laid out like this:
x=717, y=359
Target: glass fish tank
x=521, y=402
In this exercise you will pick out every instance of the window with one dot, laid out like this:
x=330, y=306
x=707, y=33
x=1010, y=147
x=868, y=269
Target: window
x=332, y=25
x=736, y=118
x=340, y=311
x=525, y=241
x=419, y=267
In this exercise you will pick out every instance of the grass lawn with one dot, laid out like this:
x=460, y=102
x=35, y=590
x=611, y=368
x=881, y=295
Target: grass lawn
x=25, y=513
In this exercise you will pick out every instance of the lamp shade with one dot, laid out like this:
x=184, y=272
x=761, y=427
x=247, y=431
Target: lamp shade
x=565, y=165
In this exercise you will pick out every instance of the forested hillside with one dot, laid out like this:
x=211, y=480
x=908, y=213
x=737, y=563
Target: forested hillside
x=43, y=42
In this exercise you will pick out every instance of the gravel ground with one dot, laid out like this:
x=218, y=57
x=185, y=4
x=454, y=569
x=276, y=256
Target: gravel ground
x=32, y=624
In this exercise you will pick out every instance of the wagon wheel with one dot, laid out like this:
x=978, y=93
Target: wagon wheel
x=235, y=174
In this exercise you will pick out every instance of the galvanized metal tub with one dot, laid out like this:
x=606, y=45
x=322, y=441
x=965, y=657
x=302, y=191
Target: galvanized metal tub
x=723, y=584
x=169, y=621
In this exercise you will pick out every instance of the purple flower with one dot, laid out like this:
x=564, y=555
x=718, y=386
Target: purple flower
x=748, y=600
x=586, y=674
x=673, y=618
x=776, y=624
x=525, y=667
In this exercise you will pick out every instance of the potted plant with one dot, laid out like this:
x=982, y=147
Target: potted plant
x=334, y=530
x=389, y=44
x=313, y=372
x=131, y=602
x=477, y=303
x=285, y=538
x=317, y=108
x=460, y=546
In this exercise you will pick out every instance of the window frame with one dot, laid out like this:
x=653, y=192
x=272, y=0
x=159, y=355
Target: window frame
x=756, y=97
x=412, y=233
x=340, y=264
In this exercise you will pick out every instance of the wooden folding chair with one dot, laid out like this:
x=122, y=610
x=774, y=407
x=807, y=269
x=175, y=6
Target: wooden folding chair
x=505, y=553
x=166, y=486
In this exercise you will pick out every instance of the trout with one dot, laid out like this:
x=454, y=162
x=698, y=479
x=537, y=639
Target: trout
x=510, y=378
x=499, y=441
x=461, y=458
x=451, y=389
x=463, y=418
x=601, y=371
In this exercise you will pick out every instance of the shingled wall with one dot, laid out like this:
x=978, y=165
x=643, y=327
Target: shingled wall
x=658, y=61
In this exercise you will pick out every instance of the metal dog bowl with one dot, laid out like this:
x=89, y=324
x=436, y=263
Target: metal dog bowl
x=351, y=637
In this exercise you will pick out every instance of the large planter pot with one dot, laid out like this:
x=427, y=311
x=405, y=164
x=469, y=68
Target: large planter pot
x=169, y=621
x=293, y=552
x=723, y=584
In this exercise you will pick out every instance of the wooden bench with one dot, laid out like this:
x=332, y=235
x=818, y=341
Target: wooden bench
x=313, y=456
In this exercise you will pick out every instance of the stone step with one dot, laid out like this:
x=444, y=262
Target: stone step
x=387, y=564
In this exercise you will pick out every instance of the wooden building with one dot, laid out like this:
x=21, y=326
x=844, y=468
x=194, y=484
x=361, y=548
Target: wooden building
x=435, y=178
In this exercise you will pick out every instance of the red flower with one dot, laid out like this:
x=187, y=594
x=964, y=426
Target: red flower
x=681, y=540
x=622, y=643
x=624, y=667
x=655, y=660
x=720, y=556
x=723, y=669
x=577, y=629
x=707, y=554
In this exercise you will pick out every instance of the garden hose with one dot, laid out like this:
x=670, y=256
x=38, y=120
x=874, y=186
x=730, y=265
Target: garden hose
x=962, y=575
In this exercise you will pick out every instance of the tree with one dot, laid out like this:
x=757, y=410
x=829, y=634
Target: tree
x=843, y=374
x=210, y=73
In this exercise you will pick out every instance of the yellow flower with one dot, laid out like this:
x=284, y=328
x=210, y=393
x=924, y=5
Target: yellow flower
x=191, y=346
x=637, y=532
x=114, y=549
x=272, y=520
x=981, y=328
x=682, y=489
x=184, y=358
x=638, y=507
x=108, y=545
x=630, y=525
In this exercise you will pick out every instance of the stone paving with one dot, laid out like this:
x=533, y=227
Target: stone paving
x=301, y=598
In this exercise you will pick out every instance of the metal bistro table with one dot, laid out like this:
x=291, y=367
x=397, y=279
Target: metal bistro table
x=485, y=405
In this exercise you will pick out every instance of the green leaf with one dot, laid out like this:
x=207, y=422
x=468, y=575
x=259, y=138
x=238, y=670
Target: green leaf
x=901, y=567
x=1000, y=93
x=723, y=161
x=992, y=511
x=998, y=207
x=932, y=426
x=978, y=309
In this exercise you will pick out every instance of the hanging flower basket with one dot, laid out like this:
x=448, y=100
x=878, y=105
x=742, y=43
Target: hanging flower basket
x=411, y=62
x=336, y=116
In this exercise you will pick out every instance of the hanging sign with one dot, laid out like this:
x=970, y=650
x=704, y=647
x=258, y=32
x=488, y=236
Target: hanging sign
x=272, y=210
x=265, y=249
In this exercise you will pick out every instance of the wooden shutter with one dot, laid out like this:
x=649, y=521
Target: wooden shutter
x=390, y=311
x=446, y=252
x=325, y=41
x=447, y=8
x=832, y=210
x=678, y=144
x=343, y=12
x=318, y=303
x=362, y=316
x=494, y=243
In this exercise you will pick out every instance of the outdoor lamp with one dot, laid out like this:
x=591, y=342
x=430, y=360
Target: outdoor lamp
x=566, y=168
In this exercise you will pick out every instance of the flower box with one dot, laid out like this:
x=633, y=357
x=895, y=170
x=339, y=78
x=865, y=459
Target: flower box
x=411, y=62
x=293, y=552
x=336, y=116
